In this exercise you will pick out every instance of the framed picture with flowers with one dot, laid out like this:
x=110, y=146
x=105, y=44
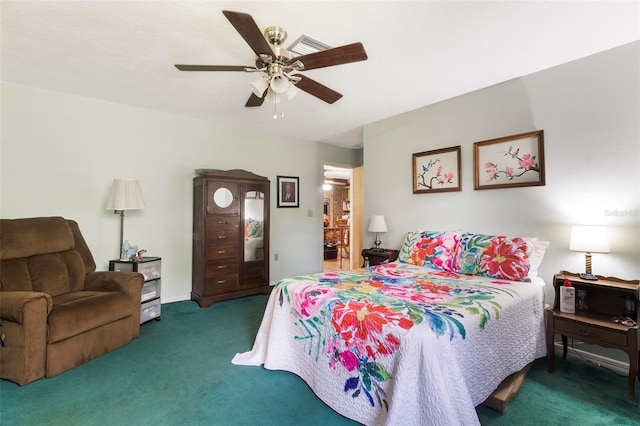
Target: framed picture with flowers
x=437, y=170
x=510, y=161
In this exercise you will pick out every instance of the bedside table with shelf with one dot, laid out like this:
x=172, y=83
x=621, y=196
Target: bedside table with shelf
x=594, y=325
x=378, y=257
x=150, y=267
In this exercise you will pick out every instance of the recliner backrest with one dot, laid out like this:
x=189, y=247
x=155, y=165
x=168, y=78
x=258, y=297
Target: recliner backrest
x=39, y=254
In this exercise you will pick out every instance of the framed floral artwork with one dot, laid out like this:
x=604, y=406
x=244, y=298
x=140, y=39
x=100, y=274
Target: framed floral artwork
x=510, y=161
x=437, y=170
x=288, y=191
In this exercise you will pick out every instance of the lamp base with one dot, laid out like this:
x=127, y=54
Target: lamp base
x=589, y=277
x=377, y=243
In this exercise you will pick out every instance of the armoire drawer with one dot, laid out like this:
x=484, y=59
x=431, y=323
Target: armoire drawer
x=222, y=283
x=222, y=236
x=214, y=269
x=216, y=251
x=222, y=222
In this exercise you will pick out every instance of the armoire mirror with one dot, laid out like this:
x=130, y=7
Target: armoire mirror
x=254, y=225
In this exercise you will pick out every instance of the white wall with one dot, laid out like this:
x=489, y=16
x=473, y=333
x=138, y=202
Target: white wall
x=60, y=153
x=590, y=113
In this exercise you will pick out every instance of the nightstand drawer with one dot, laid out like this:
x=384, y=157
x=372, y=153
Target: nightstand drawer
x=589, y=332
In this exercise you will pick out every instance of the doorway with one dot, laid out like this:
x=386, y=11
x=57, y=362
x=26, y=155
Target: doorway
x=336, y=218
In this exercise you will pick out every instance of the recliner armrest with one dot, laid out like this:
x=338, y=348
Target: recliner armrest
x=12, y=304
x=126, y=282
x=129, y=283
x=24, y=322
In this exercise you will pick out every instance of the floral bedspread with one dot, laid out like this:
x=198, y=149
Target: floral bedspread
x=398, y=343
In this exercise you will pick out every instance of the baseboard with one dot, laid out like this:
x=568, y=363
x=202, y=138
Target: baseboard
x=599, y=360
x=175, y=298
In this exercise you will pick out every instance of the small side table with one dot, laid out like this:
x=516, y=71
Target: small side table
x=594, y=323
x=378, y=257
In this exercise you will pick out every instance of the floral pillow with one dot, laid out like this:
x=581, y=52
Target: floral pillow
x=252, y=228
x=430, y=248
x=493, y=256
x=407, y=246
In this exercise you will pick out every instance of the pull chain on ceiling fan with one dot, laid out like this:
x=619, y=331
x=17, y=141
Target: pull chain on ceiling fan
x=280, y=68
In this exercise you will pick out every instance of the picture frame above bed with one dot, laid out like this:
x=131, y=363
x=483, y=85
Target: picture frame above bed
x=436, y=170
x=288, y=191
x=510, y=161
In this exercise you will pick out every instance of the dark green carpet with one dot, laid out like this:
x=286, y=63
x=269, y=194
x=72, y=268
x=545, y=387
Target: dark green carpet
x=179, y=372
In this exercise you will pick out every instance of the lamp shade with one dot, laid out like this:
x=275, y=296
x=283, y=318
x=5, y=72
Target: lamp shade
x=125, y=195
x=259, y=86
x=272, y=97
x=590, y=239
x=377, y=224
x=279, y=83
x=292, y=91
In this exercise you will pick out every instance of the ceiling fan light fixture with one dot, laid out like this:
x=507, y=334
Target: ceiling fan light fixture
x=259, y=86
x=292, y=91
x=272, y=97
x=279, y=83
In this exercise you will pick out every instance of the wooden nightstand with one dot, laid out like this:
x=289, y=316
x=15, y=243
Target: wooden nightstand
x=595, y=326
x=377, y=257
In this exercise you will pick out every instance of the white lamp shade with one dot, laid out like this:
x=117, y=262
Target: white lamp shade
x=292, y=91
x=589, y=239
x=279, y=83
x=272, y=97
x=125, y=195
x=377, y=224
x=259, y=86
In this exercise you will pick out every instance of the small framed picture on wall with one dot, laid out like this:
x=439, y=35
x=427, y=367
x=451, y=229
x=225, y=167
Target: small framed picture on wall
x=288, y=191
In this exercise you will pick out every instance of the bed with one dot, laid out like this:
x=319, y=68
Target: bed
x=422, y=340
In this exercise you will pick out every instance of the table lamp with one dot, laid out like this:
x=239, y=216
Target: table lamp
x=125, y=195
x=377, y=225
x=589, y=239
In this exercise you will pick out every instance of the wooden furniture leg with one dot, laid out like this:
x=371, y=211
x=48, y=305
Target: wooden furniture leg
x=633, y=365
x=550, y=348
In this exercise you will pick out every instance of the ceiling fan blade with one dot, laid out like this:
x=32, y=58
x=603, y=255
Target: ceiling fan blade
x=337, y=56
x=318, y=90
x=254, y=101
x=183, y=67
x=248, y=29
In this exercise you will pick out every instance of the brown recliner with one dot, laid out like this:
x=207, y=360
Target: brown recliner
x=57, y=311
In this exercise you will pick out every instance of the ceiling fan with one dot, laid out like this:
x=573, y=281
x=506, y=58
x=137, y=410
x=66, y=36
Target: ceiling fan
x=278, y=64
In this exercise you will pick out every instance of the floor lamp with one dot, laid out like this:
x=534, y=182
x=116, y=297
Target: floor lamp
x=125, y=195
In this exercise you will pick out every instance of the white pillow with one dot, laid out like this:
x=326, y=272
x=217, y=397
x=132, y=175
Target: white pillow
x=537, y=253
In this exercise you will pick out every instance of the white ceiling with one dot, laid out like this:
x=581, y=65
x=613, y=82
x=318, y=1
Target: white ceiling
x=419, y=53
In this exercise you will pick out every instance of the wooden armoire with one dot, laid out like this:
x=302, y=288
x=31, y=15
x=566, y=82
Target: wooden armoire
x=230, y=235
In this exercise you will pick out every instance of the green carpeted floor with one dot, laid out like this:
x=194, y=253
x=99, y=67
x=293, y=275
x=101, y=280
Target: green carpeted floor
x=178, y=372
